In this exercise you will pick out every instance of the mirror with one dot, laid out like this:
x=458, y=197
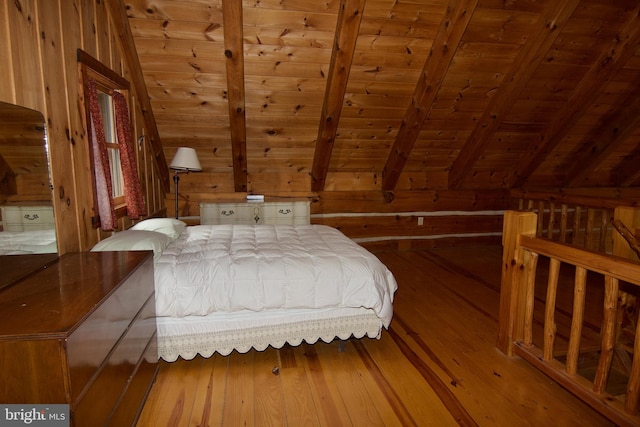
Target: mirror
x=27, y=224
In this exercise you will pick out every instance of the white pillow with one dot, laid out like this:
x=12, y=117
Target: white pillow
x=134, y=240
x=169, y=226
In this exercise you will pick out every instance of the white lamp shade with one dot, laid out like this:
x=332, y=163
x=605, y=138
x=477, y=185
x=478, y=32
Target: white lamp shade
x=186, y=159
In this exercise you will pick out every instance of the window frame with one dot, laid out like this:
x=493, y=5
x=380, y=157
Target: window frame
x=106, y=80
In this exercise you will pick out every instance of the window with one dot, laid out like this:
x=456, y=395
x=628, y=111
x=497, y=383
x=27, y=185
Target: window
x=116, y=187
x=105, y=101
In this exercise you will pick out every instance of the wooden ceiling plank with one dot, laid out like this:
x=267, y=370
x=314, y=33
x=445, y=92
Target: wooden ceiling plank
x=234, y=54
x=120, y=20
x=627, y=174
x=452, y=27
x=622, y=47
x=347, y=29
x=613, y=131
x=554, y=18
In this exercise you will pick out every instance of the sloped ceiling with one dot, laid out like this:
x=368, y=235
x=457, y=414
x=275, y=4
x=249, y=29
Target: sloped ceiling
x=302, y=95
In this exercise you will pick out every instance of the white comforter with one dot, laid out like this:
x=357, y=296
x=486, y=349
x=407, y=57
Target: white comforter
x=28, y=242
x=229, y=268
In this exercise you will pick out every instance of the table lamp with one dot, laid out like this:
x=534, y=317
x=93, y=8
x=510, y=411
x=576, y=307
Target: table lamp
x=185, y=160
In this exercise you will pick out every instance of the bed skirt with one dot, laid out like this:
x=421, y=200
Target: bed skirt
x=223, y=332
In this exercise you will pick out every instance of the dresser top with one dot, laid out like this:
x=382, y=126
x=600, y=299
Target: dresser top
x=266, y=200
x=15, y=267
x=64, y=292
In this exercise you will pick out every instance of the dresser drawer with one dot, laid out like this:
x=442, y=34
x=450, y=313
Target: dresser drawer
x=286, y=213
x=276, y=212
x=130, y=403
x=110, y=384
x=230, y=213
x=27, y=218
x=89, y=346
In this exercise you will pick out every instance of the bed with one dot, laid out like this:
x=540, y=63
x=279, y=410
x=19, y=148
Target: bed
x=27, y=229
x=28, y=242
x=221, y=288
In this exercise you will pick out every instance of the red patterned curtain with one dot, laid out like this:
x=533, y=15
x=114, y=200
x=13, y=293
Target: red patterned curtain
x=132, y=187
x=104, y=192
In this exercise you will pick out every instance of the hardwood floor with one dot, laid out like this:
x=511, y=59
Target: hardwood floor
x=436, y=366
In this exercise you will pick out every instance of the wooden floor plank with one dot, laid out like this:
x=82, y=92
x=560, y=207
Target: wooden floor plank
x=173, y=395
x=343, y=371
x=437, y=366
x=299, y=404
x=331, y=408
x=214, y=377
x=417, y=396
x=270, y=406
x=239, y=402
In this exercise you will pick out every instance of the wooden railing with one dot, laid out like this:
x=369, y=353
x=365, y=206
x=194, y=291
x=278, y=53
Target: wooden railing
x=576, y=219
x=537, y=338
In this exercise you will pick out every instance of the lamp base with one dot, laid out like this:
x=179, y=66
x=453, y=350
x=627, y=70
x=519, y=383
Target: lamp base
x=176, y=179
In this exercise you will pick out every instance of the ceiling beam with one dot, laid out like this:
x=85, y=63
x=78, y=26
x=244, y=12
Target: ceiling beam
x=445, y=43
x=532, y=53
x=234, y=54
x=347, y=28
x=613, y=131
x=622, y=47
x=121, y=22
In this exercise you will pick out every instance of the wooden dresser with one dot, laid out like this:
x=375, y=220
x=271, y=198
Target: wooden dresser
x=81, y=331
x=268, y=212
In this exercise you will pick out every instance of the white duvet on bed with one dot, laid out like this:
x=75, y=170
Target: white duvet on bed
x=28, y=242
x=230, y=268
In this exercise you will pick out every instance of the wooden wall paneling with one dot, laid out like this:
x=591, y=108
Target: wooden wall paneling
x=612, y=58
x=352, y=181
x=7, y=86
x=409, y=201
x=548, y=28
x=147, y=167
x=234, y=54
x=89, y=39
x=452, y=28
x=407, y=225
x=428, y=179
x=103, y=35
x=27, y=69
x=78, y=164
x=261, y=183
x=53, y=52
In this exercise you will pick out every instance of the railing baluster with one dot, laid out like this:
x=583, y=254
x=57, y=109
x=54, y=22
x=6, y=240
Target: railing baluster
x=604, y=221
x=608, y=333
x=540, y=218
x=550, y=308
x=633, y=386
x=576, y=224
x=552, y=220
x=588, y=231
x=530, y=299
x=576, y=320
x=563, y=223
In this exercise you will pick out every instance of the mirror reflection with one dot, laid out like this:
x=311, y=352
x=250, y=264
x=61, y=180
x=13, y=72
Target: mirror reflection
x=27, y=224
